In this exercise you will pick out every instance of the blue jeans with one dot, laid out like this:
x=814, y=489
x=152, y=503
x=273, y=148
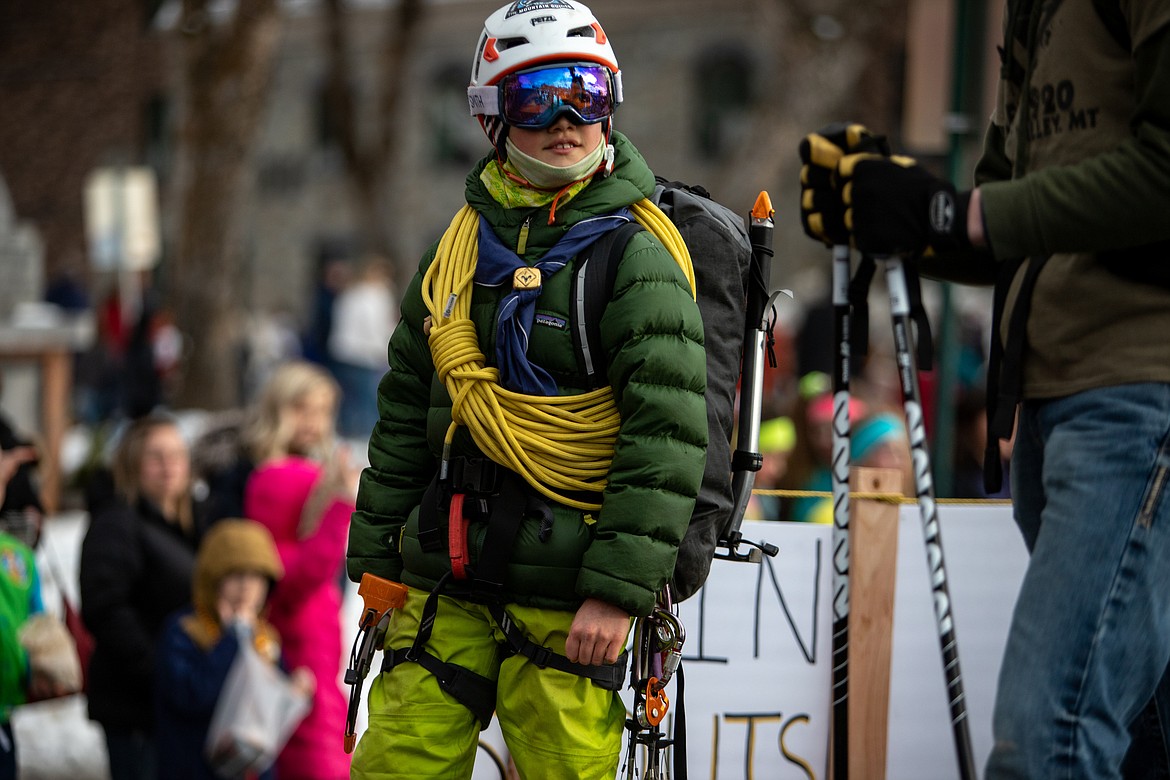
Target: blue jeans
x=1090, y=635
x=358, y=411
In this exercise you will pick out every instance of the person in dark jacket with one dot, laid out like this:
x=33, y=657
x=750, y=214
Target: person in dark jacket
x=235, y=570
x=137, y=560
x=584, y=495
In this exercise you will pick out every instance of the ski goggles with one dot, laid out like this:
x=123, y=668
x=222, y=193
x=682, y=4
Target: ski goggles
x=535, y=98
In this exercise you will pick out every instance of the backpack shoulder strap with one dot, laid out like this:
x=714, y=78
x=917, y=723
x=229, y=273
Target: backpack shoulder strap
x=592, y=289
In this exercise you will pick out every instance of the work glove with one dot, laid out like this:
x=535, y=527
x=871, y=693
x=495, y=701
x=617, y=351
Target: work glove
x=893, y=205
x=821, y=212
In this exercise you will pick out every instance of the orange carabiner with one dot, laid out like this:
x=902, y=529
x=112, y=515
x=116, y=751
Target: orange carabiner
x=656, y=702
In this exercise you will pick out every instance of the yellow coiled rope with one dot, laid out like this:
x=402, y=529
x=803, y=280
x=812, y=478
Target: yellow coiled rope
x=558, y=444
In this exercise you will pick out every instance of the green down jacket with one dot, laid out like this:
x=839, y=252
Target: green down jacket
x=653, y=338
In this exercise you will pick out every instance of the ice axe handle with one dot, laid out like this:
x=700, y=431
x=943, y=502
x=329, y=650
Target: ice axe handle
x=379, y=596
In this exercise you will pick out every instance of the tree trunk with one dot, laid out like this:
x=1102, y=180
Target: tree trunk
x=370, y=157
x=856, y=77
x=226, y=74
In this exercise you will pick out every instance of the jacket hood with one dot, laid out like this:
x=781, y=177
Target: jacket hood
x=232, y=545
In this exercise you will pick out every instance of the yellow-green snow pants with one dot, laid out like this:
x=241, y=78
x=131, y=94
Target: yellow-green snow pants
x=556, y=724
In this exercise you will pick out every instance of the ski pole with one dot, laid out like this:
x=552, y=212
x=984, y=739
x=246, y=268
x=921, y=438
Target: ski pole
x=928, y=507
x=840, y=481
x=746, y=460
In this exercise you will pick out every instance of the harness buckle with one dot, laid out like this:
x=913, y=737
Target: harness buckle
x=540, y=655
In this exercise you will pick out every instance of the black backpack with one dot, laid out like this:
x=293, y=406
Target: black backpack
x=721, y=252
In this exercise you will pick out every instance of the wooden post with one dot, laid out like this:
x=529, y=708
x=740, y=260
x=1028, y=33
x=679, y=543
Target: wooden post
x=873, y=544
x=54, y=362
x=56, y=385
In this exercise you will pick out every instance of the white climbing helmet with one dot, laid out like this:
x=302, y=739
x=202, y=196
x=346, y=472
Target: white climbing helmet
x=527, y=34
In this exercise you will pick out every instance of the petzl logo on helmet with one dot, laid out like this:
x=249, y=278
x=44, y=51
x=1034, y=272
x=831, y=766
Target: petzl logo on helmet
x=527, y=6
x=942, y=212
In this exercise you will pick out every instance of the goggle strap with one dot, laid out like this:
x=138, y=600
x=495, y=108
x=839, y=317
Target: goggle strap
x=484, y=100
x=617, y=88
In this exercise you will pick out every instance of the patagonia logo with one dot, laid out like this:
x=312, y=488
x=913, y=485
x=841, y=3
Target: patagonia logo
x=550, y=321
x=528, y=6
x=942, y=212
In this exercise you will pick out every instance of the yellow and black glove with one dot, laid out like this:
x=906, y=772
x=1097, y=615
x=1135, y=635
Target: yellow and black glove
x=893, y=205
x=822, y=214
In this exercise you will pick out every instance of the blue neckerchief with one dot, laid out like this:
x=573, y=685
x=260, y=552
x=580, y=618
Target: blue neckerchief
x=518, y=308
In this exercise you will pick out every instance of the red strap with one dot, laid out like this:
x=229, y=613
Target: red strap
x=457, y=537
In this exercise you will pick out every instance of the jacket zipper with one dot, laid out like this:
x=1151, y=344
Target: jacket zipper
x=522, y=242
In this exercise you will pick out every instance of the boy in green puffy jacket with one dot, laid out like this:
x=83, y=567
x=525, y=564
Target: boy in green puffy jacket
x=531, y=515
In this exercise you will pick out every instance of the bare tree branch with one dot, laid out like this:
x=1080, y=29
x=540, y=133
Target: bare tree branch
x=369, y=158
x=226, y=74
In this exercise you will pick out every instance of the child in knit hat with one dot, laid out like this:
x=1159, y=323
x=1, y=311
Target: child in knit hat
x=235, y=568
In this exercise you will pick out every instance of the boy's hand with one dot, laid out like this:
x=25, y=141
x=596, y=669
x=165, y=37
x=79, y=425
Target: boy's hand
x=303, y=681
x=598, y=634
x=232, y=612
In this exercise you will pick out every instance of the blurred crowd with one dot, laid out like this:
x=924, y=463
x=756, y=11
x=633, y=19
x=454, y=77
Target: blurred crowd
x=195, y=551
x=796, y=432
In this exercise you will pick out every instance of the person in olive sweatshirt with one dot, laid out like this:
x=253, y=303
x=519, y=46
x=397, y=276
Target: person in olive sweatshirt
x=506, y=527
x=1067, y=219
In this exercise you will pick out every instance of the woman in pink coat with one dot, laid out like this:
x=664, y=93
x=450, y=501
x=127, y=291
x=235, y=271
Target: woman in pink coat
x=306, y=507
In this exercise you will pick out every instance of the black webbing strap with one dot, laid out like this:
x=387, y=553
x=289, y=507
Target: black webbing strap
x=923, y=339
x=508, y=510
x=592, y=290
x=1005, y=364
x=610, y=677
x=474, y=691
x=859, y=306
x=679, y=740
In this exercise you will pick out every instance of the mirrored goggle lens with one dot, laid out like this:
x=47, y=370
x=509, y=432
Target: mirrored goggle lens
x=536, y=97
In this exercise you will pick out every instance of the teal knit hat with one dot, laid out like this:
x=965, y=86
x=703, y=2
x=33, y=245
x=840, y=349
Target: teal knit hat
x=871, y=433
